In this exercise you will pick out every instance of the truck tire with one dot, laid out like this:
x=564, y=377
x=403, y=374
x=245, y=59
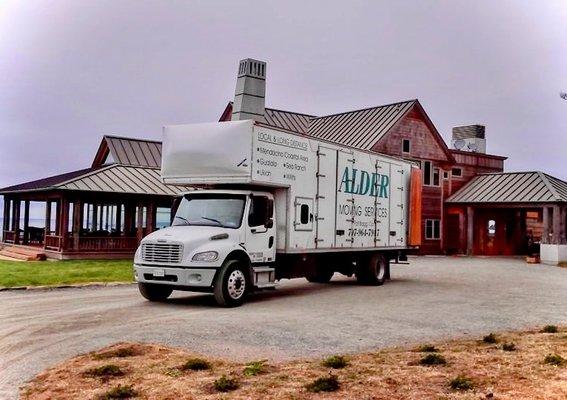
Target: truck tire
x=154, y=292
x=374, y=271
x=320, y=276
x=232, y=284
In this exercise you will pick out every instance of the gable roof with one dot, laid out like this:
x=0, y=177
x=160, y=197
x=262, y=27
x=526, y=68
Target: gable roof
x=128, y=151
x=360, y=128
x=112, y=179
x=512, y=187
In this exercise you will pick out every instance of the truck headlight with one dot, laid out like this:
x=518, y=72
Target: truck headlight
x=207, y=256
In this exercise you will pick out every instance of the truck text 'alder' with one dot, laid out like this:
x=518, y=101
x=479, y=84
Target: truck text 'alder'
x=275, y=205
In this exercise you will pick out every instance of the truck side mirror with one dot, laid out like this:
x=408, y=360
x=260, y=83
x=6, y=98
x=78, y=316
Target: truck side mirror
x=269, y=223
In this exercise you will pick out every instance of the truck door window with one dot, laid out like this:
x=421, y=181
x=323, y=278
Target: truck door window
x=304, y=214
x=261, y=209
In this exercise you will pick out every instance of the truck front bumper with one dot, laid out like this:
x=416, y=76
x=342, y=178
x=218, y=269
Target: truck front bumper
x=187, y=277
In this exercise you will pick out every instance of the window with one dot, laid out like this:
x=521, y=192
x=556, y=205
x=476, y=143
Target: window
x=304, y=214
x=432, y=229
x=435, y=176
x=458, y=172
x=210, y=210
x=491, y=228
x=406, y=146
x=426, y=167
x=260, y=211
x=445, y=175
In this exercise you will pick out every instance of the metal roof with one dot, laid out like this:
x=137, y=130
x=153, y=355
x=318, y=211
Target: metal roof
x=111, y=179
x=137, y=152
x=362, y=128
x=512, y=187
x=288, y=120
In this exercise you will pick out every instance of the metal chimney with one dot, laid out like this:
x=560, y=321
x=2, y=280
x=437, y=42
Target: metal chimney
x=250, y=94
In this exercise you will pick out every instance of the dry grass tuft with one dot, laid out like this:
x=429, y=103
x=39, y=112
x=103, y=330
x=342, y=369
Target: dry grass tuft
x=385, y=374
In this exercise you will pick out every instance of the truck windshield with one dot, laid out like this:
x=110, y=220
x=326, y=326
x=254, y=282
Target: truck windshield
x=210, y=210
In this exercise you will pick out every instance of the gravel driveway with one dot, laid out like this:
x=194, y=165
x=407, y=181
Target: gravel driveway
x=431, y=299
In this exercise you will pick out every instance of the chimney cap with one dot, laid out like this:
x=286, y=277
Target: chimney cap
x=469, y=132
x=252, y=67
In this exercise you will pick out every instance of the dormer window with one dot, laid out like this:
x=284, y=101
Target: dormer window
x=406, y=146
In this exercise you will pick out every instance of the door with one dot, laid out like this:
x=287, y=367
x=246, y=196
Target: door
x=261, y=231
x=325, y=198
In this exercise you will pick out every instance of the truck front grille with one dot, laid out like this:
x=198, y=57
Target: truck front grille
x=169, y=253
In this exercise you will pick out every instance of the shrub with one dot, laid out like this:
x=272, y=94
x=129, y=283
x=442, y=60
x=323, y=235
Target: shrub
x=549, y=329
x=427, y=348
x=336, y=362
x=254, y=368
x=461, y=383
x=120, y=353
x=490, y=338
x=196, y=364
x=105, y=371
x=119, y=392
x=433, y=359
x=324, y=384
x=225, y=384
x=554, y=359
x=509, y=347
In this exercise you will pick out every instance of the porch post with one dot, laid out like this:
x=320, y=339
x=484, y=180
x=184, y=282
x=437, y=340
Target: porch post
x=77, y=211
x=6, y=216
x=545, y=234
x=140, y=222
x=64, y=222
x=26, y=220
x=47, y=221
x=470, y=230
x=556, y=225
x=119, y=218
x=127, y=219
x=151, y=218
x=16, y=221
x=95, y=217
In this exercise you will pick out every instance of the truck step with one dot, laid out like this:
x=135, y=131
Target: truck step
x=271, y=285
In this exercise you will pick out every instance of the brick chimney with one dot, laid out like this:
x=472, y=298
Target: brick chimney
x=469, y=138
x=250, y=94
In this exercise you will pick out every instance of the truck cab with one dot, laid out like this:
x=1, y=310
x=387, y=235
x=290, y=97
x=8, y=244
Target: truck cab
x=220, y=241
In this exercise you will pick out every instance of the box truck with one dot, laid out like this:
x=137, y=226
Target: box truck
x=269, y=204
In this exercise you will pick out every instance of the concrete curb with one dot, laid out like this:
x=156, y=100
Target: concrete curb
x=70, y=286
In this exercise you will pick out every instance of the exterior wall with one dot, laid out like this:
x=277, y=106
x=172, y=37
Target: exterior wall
x=471, y=165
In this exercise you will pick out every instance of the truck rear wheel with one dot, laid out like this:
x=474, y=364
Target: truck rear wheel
x=374, y=271
x=320, y=276
x=232, y=284
x=154, y=292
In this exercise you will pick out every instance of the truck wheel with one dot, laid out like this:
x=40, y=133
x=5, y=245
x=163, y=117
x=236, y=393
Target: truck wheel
x=232, y=284
x=154, y=292
x=321, y=276
x=374, y=271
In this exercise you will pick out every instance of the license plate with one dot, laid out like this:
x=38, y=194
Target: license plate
x=159, y=272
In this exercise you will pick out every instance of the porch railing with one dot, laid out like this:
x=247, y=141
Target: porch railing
x=8, y=236
x=53, y=242
x=108, y=243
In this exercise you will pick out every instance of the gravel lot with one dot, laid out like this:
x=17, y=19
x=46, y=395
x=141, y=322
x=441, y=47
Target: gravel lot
x=431, y=299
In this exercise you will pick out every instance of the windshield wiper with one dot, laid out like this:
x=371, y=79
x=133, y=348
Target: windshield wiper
x=183, y=219
x=214, y=220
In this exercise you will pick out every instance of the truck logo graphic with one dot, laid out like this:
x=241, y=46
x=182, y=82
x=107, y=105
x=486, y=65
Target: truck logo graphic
x=360, y=182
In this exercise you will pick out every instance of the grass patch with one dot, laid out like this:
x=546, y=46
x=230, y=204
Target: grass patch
x=40, y=273
x=336, y=362
x=119, y=392
x=461, y=383
x=509, y=347
x=107, y=370
x=433, y=359
x=254, y=368
x=549, y=329
x=196, y=364
x=554, y=359
x=427, y=348
x=324, y=384
x=490, y=338
x=121, y=352
x=225, y=384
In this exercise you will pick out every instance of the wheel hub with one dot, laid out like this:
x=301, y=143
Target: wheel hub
x=236, y=284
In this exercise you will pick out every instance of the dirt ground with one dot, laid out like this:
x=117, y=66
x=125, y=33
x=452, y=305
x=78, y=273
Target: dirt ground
x=155, y=372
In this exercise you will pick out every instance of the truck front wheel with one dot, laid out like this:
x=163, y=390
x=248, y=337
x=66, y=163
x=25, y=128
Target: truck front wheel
x=232, y=284
x=374, y=271
x=154, y=292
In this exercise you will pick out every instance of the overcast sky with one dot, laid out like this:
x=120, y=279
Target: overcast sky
x=71, y=71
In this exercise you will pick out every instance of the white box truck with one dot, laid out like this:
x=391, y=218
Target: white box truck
x=272, y=205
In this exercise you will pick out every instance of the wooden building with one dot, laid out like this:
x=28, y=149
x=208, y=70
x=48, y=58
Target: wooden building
x=99, y=212
x=404, y=130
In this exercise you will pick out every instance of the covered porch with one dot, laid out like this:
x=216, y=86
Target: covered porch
x=101, y=214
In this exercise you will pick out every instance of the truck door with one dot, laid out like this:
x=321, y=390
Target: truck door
x=397, y=234
x=346, y=207
x=325, y=198
x=260, y=232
